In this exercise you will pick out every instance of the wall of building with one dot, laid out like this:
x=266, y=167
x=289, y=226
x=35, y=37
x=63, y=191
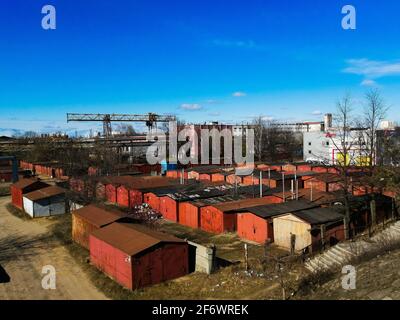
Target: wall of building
x=287, y=224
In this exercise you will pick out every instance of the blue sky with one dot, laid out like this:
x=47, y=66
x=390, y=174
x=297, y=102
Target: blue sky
x=202, y=60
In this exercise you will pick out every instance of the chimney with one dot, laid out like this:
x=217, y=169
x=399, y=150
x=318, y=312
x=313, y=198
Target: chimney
x=327, y=121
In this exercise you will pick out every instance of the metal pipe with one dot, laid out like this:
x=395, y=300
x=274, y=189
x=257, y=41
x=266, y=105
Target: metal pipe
x=269, y=178
x=292, y=188
x=261, y=191
x=283, y=186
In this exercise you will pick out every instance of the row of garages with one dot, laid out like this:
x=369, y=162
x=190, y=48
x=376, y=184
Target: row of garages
x=206, y=207
x=48, y=168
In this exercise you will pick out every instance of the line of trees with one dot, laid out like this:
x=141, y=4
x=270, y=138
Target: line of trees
x=273, y=143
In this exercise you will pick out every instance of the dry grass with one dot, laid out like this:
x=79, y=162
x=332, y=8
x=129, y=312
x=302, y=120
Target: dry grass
x=20, y=214
x=231, y=282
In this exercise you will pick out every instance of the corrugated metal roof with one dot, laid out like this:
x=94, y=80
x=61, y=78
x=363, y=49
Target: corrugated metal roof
x=132, y=238
x=139, y=182
x=206, y=169
x=327, y=177
x=98, y=216
x=319, y=215
x=271, y=210
x=44, y=193
x=240, y=204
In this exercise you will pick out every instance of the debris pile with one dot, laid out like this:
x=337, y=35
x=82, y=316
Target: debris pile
x=145, y=213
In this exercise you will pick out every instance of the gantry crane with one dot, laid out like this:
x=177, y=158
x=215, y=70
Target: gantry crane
x=150, y=119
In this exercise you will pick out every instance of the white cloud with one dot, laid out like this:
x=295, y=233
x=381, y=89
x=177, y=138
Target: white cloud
x=239, y=94
x=372, y=69
x=369, y=83
x=214, y=114
x=316, y=113
x=191, y=106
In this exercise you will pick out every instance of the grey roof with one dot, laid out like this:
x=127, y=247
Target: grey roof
x=319, y=215
x=271, y=210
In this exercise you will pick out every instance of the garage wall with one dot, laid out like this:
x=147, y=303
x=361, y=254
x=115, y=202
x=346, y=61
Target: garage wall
x=287, y=224
x=28, y=206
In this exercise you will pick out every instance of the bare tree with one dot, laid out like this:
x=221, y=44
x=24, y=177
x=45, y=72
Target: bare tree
x=343, y=141
x=272, y=142
x=259, y=128
x=374, y=112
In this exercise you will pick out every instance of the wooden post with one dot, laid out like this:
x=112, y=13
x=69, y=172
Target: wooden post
x=373, y=213
x=235, y=184
x=269, y=178
x=292, y=243
x=246, y=257
x=292, y=188
x=393, y=210
x=252, y=182
x=322, y=230
x=346, y=228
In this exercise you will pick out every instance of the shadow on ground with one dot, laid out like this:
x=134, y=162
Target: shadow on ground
x=12, y=247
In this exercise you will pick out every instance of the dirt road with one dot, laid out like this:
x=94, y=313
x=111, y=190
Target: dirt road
x=25, y=248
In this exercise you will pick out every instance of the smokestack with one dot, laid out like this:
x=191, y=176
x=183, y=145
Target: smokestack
x=328, y=121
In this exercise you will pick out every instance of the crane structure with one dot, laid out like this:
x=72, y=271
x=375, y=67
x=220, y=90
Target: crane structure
x=150, y=119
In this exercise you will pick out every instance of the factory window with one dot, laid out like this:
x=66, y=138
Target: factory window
x=309, y=151
x=309, y=143
x=327, y=143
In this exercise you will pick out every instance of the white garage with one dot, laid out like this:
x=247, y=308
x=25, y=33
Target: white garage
x=45, y=202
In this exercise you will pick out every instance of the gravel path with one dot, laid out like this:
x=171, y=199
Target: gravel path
x=25, y=247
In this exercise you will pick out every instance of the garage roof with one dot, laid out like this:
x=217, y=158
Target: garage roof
x=271, y=210
x=44, y=193
x=23, y=183
x=319, y=215
x=98, y=216
x=133, y=238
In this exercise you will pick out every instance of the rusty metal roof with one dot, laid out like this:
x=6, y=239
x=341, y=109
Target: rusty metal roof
x=98, y=216
x=44, y=193
x=140, y=182
x=240, y=204
x=132, y=238
x=23, y=183
x=327, y=177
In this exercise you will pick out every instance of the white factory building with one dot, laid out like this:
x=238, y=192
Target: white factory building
x=325, y=146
